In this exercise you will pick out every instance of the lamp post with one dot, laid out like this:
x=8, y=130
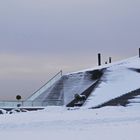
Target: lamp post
x=18, y=97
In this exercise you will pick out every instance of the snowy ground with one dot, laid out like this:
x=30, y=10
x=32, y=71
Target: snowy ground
x=109, y=123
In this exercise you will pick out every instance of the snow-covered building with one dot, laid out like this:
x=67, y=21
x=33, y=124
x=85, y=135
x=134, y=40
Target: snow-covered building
x=111, y=84
x=100, y=85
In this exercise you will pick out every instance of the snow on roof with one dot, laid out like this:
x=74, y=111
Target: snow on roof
x=118, y=79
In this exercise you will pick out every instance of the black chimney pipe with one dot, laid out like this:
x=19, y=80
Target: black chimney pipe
x=99, y=59
x=139, y=52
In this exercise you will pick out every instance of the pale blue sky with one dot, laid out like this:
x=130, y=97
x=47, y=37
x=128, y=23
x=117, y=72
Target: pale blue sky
x=40, y=37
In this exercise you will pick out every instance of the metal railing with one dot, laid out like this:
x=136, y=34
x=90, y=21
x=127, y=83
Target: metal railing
x=31, y=103
x=45, y=86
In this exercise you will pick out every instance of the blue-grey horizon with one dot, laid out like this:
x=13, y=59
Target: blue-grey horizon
x=40, y=37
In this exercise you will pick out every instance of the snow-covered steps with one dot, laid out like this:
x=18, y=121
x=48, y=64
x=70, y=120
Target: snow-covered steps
x=62, y=92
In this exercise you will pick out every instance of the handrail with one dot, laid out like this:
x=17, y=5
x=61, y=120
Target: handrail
x=31, y=103
x=37, y=91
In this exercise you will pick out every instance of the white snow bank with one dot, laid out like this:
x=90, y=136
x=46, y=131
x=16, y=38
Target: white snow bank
x=59, y=123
